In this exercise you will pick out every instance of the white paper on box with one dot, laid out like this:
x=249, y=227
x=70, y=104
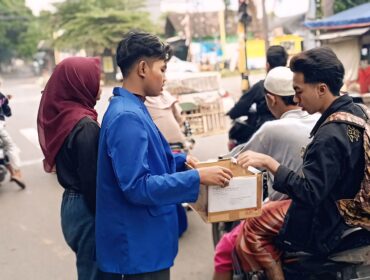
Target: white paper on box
x=240, y=194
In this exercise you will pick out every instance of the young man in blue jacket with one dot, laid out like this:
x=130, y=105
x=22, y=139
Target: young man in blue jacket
x=139, y=180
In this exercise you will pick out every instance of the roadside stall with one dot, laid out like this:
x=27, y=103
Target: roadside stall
x=348, y=34
x=203, y=102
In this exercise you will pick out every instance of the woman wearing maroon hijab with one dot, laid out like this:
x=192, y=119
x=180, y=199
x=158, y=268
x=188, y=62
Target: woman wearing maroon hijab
x=68, y=135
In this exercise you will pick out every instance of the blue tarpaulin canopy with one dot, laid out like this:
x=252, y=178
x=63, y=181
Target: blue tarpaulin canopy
x=358, y=16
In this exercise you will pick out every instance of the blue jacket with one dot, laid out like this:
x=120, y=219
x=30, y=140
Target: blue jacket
x=137, y=190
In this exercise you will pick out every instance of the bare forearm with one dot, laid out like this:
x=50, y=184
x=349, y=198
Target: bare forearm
x=271, y=165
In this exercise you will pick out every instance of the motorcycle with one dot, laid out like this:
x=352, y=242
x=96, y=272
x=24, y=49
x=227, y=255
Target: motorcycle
x=349, y=262
x=241, y=131
x=188, y=144
x=3, y=162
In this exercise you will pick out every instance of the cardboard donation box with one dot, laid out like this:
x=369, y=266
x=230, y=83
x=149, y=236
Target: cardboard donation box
x=241, y=199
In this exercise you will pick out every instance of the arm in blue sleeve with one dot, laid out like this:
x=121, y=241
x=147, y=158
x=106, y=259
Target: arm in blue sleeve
x=180, y=159
x=128, y=143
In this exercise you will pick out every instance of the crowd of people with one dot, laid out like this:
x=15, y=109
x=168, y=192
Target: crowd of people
x=123, y=184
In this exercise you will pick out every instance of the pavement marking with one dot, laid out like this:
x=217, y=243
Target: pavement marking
x=31, y=162
x=31, y=135
x=22, y=99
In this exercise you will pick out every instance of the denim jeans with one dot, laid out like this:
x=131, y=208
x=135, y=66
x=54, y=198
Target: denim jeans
x=78, y=226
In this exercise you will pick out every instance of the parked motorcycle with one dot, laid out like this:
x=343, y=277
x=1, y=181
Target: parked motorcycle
x=188, y=144
x=3, y=161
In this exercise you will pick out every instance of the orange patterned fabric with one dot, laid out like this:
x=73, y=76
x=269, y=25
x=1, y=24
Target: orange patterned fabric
x=356, y=212
x=255, y=242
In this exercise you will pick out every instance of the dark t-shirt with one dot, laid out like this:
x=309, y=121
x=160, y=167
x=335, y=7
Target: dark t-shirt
x=256, y=94
x=76, y=161
x=5, y=110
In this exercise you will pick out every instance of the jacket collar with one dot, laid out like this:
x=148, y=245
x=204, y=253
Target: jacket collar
x=338, y=104
x=119, y=91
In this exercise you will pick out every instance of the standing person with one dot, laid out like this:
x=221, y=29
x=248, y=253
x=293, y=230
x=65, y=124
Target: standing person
x=10, y=148
x=284, y=147
x=275, y=56
x=69, y=134
x=333, y=169
x=139, y=180
x=166, y=114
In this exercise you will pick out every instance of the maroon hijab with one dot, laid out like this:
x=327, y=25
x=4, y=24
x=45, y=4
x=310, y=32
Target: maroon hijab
x=69, y=96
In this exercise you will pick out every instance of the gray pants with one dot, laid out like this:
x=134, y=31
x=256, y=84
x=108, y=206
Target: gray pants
x=157, y=275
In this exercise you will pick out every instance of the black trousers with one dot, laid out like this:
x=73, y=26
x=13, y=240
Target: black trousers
x=157, y=275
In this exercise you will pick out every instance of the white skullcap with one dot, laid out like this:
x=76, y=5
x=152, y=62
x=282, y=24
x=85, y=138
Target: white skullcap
x=279, y=81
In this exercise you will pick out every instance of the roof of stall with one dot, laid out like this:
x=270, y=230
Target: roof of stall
x=355, y=17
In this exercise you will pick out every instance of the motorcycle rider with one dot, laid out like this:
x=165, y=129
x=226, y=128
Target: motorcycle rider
x=10, y=148
x=166, y=114
x=285, y=147
x=275, y=56
x=333, y=168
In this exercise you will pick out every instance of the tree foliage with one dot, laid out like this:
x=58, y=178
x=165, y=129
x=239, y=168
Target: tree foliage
x=97, y=24
x=16, y=23
x=337, y=6
x=341, y=5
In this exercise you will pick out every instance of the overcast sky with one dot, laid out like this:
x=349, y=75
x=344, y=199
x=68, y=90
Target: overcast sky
x=281, y=8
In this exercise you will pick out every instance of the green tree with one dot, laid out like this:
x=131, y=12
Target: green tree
x=97, y=24
x=325, y=7
x=15, y=21
x=341, y=5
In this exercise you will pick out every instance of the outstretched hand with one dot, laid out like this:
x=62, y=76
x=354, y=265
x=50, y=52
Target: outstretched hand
x=215, y=175
x=258, y=160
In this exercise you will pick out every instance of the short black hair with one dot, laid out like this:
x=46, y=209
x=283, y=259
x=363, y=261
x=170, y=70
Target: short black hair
x=138, y=44
x=276, y=56
x=320, y=65
x=288, y=100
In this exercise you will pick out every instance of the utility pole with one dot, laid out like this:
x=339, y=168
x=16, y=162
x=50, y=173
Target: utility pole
x=186, y=22
x=265, y=27
x=244, y=20
x=309, y=38
x=221, y=20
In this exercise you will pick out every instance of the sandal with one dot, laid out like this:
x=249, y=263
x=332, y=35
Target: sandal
x=20, y=183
